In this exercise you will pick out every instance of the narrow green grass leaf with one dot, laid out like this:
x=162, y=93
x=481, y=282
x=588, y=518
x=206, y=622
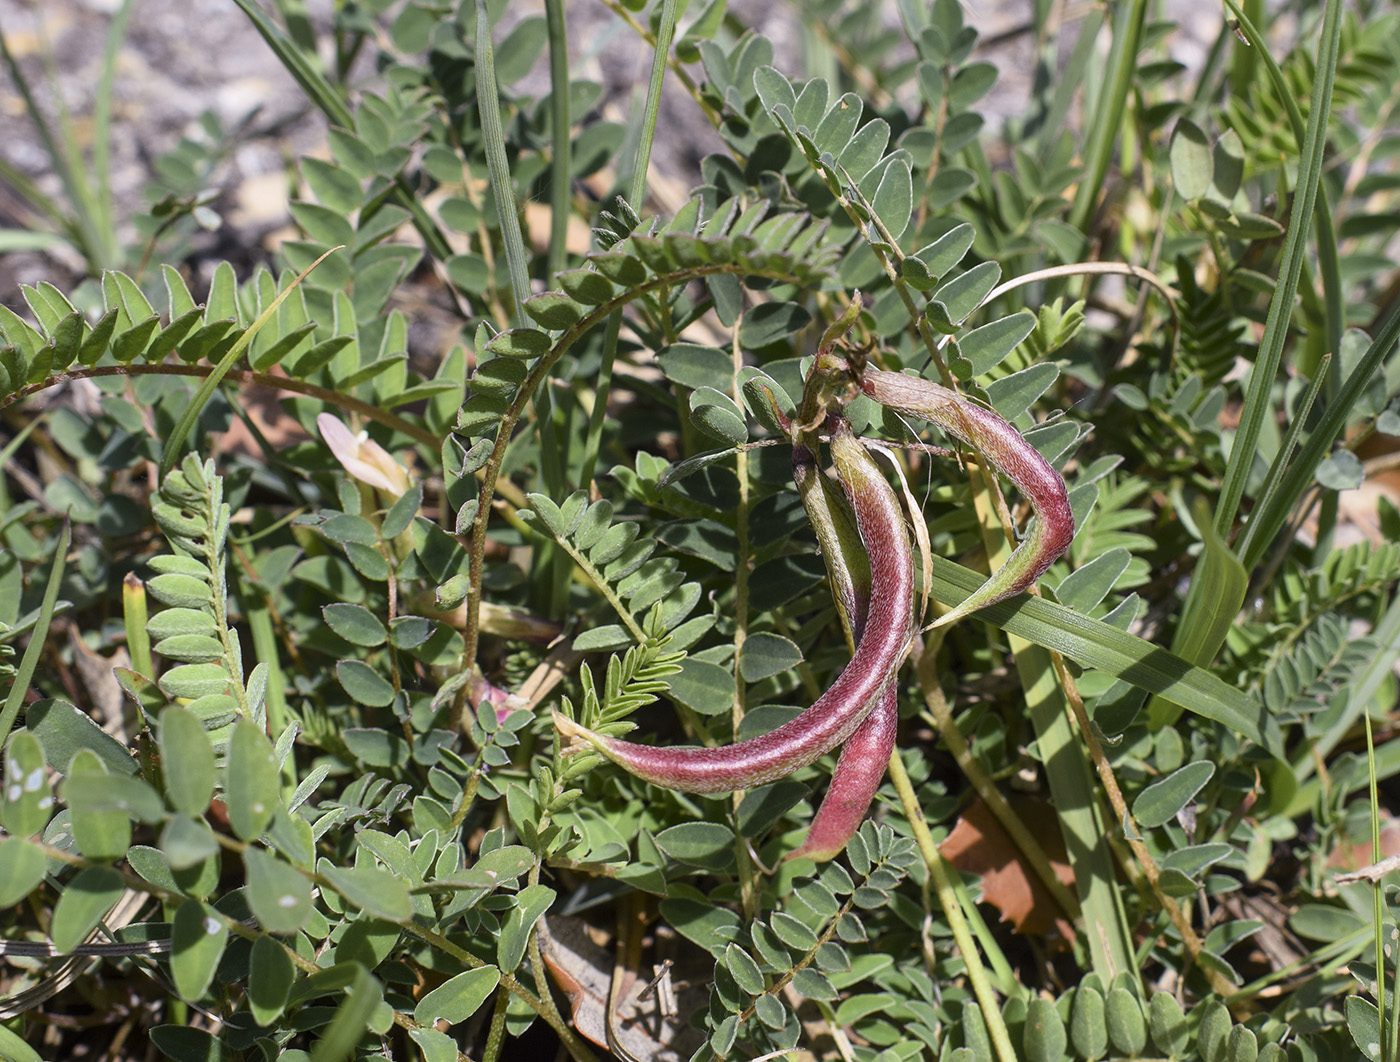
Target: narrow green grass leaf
x=1258, y=401
x=1213, y=601
x=1095, y=644
x=30, y=661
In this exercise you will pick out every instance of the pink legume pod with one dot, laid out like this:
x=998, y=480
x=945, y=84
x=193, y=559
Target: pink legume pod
x=854, y=695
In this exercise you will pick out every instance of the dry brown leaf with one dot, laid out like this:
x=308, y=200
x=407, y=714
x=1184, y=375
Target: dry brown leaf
x=978, y=845
x=584, y=971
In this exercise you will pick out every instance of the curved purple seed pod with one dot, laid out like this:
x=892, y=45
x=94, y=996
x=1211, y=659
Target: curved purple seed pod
x=854, y=783
x=861, y=767
x=1008, y=450
x=847, y=566
x=853, y=696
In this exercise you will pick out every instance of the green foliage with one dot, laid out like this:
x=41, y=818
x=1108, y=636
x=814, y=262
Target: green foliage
x=333, y=779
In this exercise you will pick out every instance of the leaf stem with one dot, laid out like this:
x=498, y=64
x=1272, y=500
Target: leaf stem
x=952, y=910
x=1219, y=983
x=925, y=667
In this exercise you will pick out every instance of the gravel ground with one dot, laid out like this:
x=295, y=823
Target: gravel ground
x=181, y=58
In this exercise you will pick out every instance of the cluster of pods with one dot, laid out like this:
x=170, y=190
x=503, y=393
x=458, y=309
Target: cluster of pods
x=864, y=539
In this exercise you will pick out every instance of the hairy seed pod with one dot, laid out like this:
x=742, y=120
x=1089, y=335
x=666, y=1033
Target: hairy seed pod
x=854, y=783
x=861, y=767
x=1007, y=450
x=854, y=695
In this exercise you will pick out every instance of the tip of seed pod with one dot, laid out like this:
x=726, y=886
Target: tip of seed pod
x=816, y=855
x=947, y=618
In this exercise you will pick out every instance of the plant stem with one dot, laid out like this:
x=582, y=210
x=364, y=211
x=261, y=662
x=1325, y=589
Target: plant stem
x=952, y=910
x=560, y=174
x=925, y=666
x=747, y=886
x=1219, y=983
x=1108, y=111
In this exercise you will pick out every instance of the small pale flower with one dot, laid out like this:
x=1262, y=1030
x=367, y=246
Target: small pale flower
x=362, y=457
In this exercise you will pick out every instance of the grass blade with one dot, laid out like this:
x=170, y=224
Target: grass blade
x=1333, y=420
x=636, y=192
x=1095, y=644
x=1258, y=402
x=1108, y=109
x=561, y=167
x=1214, y=600
x=553, y=588
x=30, y=662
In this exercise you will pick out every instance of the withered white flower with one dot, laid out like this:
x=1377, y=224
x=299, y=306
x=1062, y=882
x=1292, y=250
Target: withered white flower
x=362, y=457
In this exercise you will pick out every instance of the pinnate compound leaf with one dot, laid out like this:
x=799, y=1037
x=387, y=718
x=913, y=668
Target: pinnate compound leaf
x=190, y=648
x=772, y=322
x=198, y=936
x=718, y=415
x=610, y=636
x=1364, y=1024
x=1013, y=395
x=90, y=895
x=364, y=685
x=705, y=924
x=698, y=844
x=187, y=761
x=193, y=681
x=553, y=310
x=279, y=895
x=1341, y=470
x=944, y=253
x=1167, y=1023
x=894, y=199
x=1192, y=161
x=746, y=973
x=458, y=998
x=64, y=731
x=1088, y=1030
x=956, y=300
x=704, y=687
x=1086, y=586
x=1044, y=1038
x=185, y=1044
x=375, y=747
x=186, y=842
x=987, y=347
x=1127, y=1028
x=695, y=366
x=356, y=624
